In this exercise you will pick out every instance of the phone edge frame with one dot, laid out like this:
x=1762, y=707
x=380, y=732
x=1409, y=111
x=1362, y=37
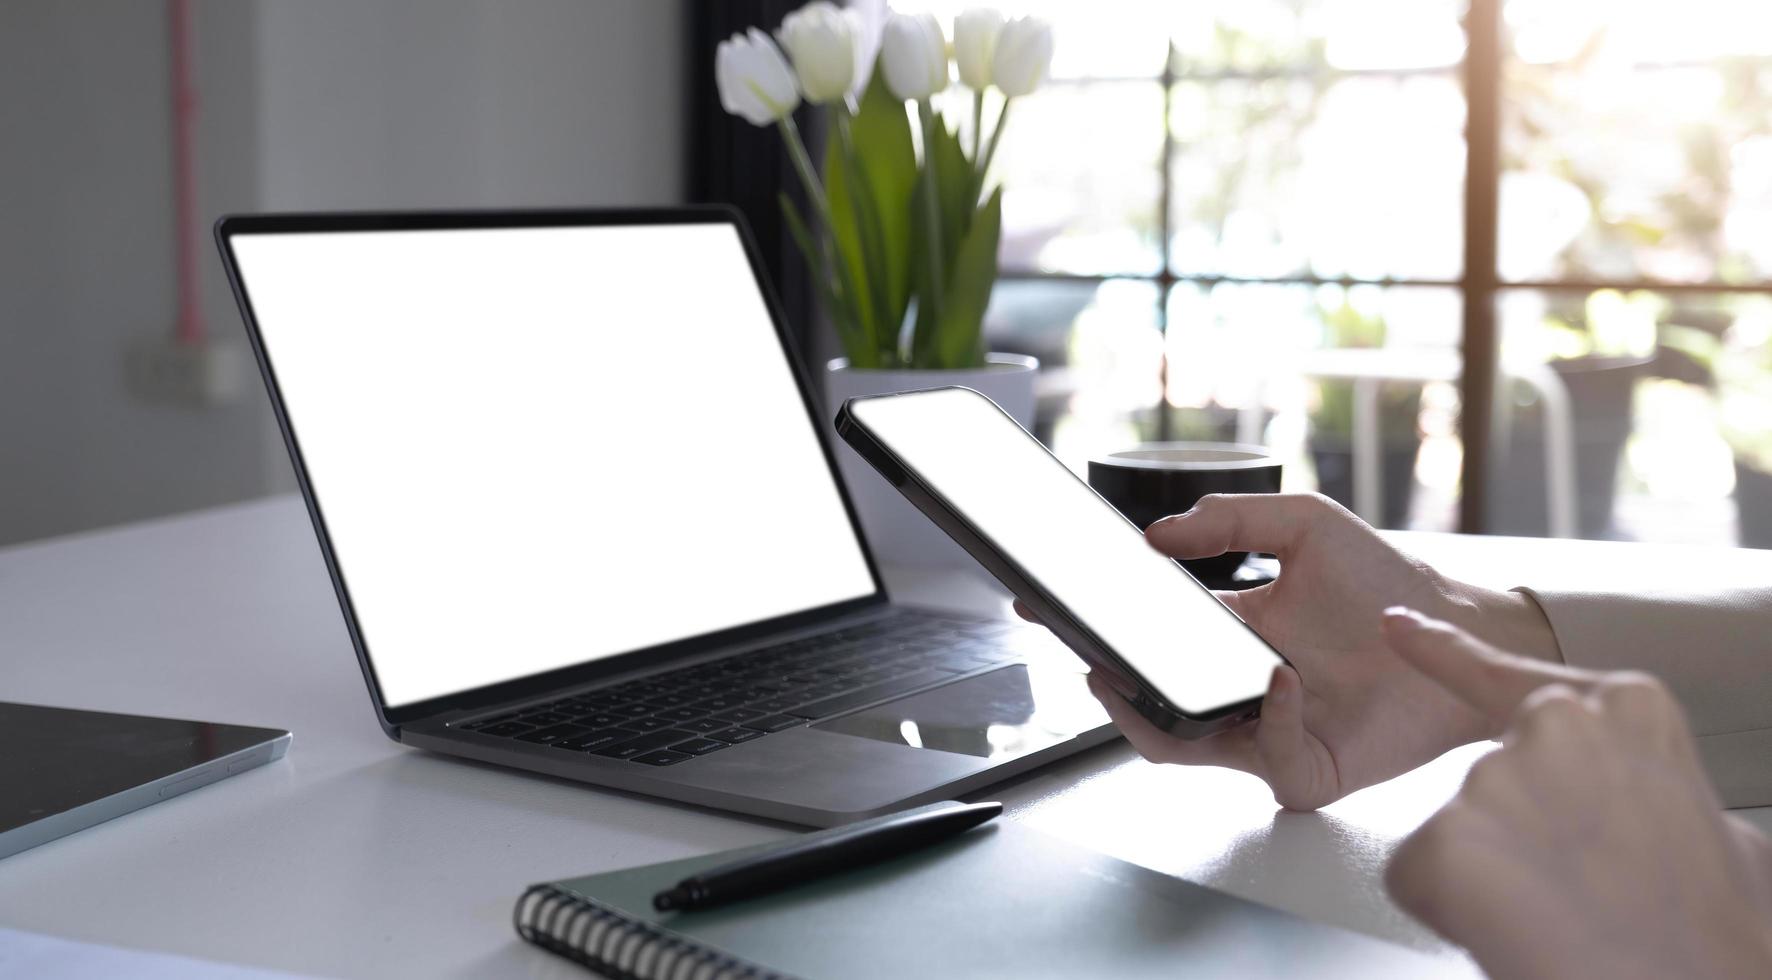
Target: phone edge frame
x=1150, y=703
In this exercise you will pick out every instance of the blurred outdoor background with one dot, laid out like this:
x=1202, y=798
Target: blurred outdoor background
x=1214, y=193
x=1521, y=247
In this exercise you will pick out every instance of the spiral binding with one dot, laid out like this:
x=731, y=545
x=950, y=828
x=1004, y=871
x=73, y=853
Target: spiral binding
x=616, y=946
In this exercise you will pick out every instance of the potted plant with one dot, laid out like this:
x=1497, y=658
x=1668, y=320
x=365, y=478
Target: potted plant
x=1330, y=438
x=901, y=229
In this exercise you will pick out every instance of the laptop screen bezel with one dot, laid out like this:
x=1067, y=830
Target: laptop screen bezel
x=586, y=672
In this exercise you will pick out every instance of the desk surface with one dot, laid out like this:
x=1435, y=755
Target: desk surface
x=356, y=857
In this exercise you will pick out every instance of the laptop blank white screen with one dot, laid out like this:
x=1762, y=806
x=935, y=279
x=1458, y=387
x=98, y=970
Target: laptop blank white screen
x=537, y=447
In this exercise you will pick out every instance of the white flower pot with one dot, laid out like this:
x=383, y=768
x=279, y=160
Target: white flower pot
x=897, y=532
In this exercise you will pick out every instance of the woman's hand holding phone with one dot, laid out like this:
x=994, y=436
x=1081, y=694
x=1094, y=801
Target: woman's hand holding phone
x=1590, y=844
x=1350, y=712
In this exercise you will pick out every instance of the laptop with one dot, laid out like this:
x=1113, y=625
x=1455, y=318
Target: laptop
x=579, y=505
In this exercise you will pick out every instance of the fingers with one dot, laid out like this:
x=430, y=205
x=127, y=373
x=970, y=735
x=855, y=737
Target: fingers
x=1539, y=697
x=1263, y=522
x=1645, y=711
x=1492, y=682
x=1453, y=875
x=1237, y=602
x=1230, y=598
x=1418, y=877
x=1570, y=741
x=1555, y=714
x=1276, y=748
x=1232, y=749
x=1282, y=746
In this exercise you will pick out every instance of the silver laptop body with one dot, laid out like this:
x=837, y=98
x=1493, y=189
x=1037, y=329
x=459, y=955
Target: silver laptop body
x=581, y=513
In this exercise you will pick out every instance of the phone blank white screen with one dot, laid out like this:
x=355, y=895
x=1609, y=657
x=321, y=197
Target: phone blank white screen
x=536, y=447
x=1142, y=605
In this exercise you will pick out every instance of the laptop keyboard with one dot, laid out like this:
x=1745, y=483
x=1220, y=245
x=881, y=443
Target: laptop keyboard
x=664, y=719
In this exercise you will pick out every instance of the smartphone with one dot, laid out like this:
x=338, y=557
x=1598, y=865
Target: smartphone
x=1179, y=655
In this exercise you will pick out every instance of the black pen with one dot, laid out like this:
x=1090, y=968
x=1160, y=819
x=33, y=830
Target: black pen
x=827, y=853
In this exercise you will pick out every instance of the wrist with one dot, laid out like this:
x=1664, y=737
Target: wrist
x=1511, y=621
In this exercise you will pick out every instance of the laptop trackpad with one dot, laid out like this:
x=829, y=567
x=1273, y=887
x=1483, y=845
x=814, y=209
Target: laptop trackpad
x=1006, y=713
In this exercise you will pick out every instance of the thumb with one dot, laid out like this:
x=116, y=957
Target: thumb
x=1263, y=522
x=1282, y=746
x=1489, y=680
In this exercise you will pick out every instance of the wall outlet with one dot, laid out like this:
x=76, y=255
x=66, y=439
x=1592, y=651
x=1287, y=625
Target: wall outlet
x=164, y=371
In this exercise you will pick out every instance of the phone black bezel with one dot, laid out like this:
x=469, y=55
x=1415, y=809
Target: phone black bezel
x=1149, y=702
x=393, y=718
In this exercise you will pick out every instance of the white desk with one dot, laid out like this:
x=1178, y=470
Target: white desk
x=356, y=857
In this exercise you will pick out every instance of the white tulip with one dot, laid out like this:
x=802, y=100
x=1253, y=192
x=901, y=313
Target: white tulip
x=754, y=79
x=975, y=45
x=915, y=53
x=829, y=50
x=1023, y=56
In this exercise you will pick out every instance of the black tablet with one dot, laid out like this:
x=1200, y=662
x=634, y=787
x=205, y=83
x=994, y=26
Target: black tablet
x=64, y=770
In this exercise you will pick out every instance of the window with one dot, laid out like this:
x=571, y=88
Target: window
x=1636, y=261
x=1210, y=196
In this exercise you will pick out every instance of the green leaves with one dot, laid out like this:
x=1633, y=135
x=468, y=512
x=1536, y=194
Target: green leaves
x=841, y=316
x=959, y=334
x=874, y=248
x=871, y=182
x=949, y=334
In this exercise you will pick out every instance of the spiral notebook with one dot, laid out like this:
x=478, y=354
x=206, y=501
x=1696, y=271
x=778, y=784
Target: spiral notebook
x=1001, y=900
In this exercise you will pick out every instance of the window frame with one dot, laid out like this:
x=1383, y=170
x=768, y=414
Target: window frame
x=1480, y=284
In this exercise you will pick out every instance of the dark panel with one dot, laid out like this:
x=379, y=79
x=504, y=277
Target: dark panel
x=733, y=162
x=1482, y=80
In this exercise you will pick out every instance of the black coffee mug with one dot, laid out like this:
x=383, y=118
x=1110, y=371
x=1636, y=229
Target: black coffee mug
x=1152, y=481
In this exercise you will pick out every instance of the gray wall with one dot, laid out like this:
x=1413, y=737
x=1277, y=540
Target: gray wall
x=306, y=104
x=414, y=103
x=86, y=263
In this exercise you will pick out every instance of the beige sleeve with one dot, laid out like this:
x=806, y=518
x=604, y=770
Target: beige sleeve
x=1713, y=650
